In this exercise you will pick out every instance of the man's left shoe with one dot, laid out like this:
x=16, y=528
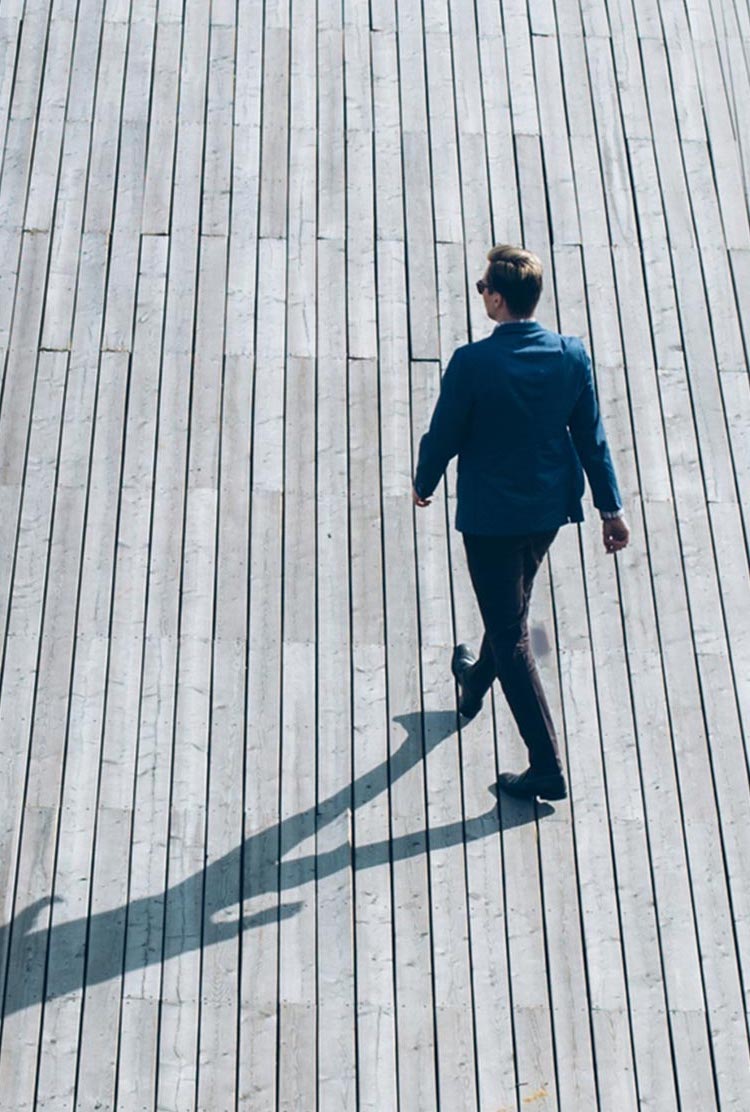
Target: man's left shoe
x=532, y=785
x=463, y=659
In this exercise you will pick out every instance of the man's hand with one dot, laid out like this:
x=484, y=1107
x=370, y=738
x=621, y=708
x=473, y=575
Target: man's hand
x=615, y=534
x=419, y=501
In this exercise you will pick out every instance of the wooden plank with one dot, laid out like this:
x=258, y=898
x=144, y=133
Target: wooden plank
x=452, y=298
x=331, y=177
x=16, y=705
x=44, y=775
x=17, y=401
x=583, y=142
x=595, y=18
x=223, y=13
x=301, y=322
x=376, y=1014
x=520, y=62
x=642, y=379
x=477, y=218
x=183, y=922
x=362, y=337
x=89, y=34
x=261, y=851
x=375, y=1026
x=59, y=1041
x=448, y=216
x=29, y=72
x=555, y=144
x=688, y=105
x=383, y=16
x=118, y=324
x=696, y=781
x=66, y=239
x=218, y=151
x=336, y=977
x=626, y=51
x=17, y=397
x=80, y=146
x=735, y=390
x=58, y=1051
x=297, y=1038
x=151, y=804
x=413, y=982
x=159, y=170
x=597, y=889
x=20, y=660
x=105, y=139
x=673, y=186
x=725, y=153
x=488, y=923
x=619, y=765
x=657, y=265
x=534, y=213
x=411, y=923
x=396, y=473
x=192, y=752
x=703, y=380
x=50, y=120
x=567, y=962
x=10, y=33
x=732, y=573
x=110, y=883
x=225, y=727
x=335, y=824
x=423, y=339
x=297, y=1022
x=452, y=960
x=222, y=895
x=647, y=833
x=470, y=124
x=360, y=200
x=738, y=82
x=259, y=963
x=498, y=126
x=389, y=213
x=274, y=169
x=23, y=992
x=683, y=1052
x=612, y=147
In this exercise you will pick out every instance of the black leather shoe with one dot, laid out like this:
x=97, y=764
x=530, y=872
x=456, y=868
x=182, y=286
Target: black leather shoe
x=468, y=705
x=530, y=785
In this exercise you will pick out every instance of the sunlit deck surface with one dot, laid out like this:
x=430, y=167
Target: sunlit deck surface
x=248, y=860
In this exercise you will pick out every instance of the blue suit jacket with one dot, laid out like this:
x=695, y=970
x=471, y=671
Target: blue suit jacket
x=520, y=411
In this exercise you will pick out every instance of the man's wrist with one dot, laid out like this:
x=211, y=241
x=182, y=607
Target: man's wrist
x=611, y=515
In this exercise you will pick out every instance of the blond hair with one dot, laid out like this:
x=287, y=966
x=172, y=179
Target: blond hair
x=516, y=274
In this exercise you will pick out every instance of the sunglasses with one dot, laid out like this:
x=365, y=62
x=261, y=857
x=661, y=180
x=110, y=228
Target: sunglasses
x=482, y=286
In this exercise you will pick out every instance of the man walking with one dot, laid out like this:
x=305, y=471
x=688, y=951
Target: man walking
x=519, y=410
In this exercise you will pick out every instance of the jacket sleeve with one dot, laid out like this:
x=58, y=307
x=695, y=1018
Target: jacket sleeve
x=447, y=429
x=589, y=438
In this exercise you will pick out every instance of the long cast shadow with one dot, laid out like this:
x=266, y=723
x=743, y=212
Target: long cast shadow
x=51, y=962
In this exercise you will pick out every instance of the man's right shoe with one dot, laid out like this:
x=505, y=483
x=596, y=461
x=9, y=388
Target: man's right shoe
x=469, y=705
x=533, y=785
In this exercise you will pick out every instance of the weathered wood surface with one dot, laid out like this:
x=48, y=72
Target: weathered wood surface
x=247, y=857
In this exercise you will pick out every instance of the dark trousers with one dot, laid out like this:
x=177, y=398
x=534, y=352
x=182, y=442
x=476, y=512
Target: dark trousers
x=502, y=572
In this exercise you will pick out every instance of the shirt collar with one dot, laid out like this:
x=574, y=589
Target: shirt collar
x=521, y=320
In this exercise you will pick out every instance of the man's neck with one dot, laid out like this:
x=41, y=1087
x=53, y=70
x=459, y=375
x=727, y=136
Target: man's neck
x=504, y=317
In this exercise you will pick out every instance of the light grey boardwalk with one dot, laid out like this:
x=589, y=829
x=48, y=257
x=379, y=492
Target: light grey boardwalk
x=247, y=858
